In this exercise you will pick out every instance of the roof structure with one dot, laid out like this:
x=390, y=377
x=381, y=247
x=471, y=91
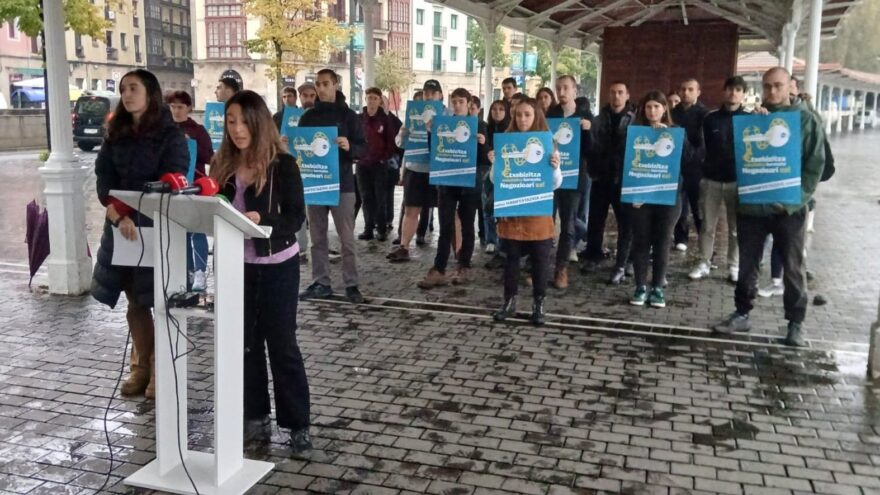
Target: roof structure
x=580, y=23
x=830, y=73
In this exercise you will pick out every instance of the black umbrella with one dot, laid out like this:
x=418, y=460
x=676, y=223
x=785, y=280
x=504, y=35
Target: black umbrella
x=37, y=237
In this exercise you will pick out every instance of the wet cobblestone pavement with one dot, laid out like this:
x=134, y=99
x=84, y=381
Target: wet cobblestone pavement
x=420, y=392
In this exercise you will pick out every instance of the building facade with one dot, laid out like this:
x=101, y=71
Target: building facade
x=20, y=59
x=439, y=47
x=168, y=35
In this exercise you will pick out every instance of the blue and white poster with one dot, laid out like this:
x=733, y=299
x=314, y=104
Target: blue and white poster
x=290, y=118
x=317, y=155
x=522, y=175
x=193, y=154
x=454, y=151
x=567, y=136
x=768, y=158
x=652, y=165
x=418, y=114
x=215, y=121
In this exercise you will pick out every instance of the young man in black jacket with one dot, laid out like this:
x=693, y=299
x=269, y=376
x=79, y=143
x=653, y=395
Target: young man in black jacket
x=690, y=114
x=606, y=169
x=372, y=167
x=332, y=111
x=718, y=186
x=567, y=200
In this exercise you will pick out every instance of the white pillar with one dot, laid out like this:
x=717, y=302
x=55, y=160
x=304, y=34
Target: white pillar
x=70, y=269
x=840, y=100
x=875, y=109
x=862, y=110
x=489, y=40
x=851, y=103
x=811, y=78
x=370, y=7
x=554, y=58
x=874, y=348
x=790, y=41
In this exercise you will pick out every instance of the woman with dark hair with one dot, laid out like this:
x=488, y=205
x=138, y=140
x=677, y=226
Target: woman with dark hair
x=264, y=183
x=499, y=121
x=652, y=224
x=180, y=104
x=546, y=99
x=142, y=142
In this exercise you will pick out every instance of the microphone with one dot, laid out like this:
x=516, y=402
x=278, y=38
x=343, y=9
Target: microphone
x=203, y=186
x=167, y=183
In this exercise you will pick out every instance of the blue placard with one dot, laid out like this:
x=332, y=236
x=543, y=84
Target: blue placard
x=193, y=153
x=290, y=118
x=418, y=114
x=454, y=151
x=768, y=158
x=567, y=136
x=215, y=121
x=317, y=155
x=652, y=165
x=522, y=174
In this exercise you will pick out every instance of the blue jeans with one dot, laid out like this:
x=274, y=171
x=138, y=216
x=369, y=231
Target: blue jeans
x=196, y=252
x=488, y=198
x=583, y=213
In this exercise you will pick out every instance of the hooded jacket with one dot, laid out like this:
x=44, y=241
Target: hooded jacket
x=582, y=110
x=204, y=150
x=812, y=161
x=379, y=131
x=720, y=162
x=127, y=164
x=609, y=144
x=691, y=119
x=348, y=124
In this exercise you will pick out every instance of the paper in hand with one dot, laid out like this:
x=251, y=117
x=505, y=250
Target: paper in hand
x=128, y=253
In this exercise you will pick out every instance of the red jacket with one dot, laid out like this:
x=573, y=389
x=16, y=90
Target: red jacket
x=380, y=132
x=204, y=150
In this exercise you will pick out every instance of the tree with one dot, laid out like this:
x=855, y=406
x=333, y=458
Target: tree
x=292, y=33
x=583, y=65
x=392, y=73
x=857, y=45
x=80, y=16
x=478, y=45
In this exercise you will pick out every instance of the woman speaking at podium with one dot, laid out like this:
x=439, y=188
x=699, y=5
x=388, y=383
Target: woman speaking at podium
x=263, y=182
x=142, y=143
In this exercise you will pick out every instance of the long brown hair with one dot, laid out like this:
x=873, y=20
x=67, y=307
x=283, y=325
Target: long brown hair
x=122, y=124
x=660, y=98
x=540, y=123
x=265, y=141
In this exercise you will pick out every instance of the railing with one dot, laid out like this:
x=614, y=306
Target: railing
x=112, y=53
x=80, y=52
x=439, y=65
x=138, y=58
x=439, y=32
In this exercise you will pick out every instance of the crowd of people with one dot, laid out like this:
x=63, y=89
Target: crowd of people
x=255, y=171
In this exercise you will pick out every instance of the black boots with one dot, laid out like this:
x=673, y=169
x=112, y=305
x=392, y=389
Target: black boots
x=537, y=317
x=506, y=311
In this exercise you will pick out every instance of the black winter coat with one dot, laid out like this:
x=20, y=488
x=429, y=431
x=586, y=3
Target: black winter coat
x=609, y=145
x=692, y=122
x=281, y=204
x=582, y=110
x=126, y=164
x=720, y=162
x=348, y=124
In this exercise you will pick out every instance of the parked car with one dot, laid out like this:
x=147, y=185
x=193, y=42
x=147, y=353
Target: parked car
x=90, y=113
x=28, y=98
x=868, y=116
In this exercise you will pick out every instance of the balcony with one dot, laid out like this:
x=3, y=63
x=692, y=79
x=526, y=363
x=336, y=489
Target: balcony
x=80, y=52
x=438, y=65
x=138, y=58
x=439, y=33
x=176, y=29
x=109, y=14
x=136, y=21
x=517, y=39
x=112, y=53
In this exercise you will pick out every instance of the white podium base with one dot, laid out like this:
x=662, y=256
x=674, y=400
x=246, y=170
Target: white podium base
x=201, y=468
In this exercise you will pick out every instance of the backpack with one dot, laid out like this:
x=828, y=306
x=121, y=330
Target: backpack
x=829, y=169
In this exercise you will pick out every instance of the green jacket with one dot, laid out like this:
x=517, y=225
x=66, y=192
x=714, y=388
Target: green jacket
x=812, y=161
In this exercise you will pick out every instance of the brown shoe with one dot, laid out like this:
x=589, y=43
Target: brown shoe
x=136, y=383
x=461, y=276
x=399, y=255
x=561, y=280
x=150, y=391
x=433, y=279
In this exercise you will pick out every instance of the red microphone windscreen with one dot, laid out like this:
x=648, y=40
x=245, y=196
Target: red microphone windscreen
x=209, y=186
x=175, y=180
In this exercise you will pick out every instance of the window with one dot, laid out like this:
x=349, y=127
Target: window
x=420, y=50
x=122, y=41
x=438, y=58
x=438, y=19
x=154, y=11
x=154, y=46
x=469, y=63
x=173, y=49
x=137, y=44
x=225, y=38
x=13, y=30
x=453, y=22
x=109, y=39
x=77, y=40
x=223, y=8
x=420, y=17
x=453, y=53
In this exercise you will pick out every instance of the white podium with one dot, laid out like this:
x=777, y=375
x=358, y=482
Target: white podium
x=225, y=471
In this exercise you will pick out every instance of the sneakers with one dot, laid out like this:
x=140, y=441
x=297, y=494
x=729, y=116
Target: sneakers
x=640, y=296
x=734, y=323
x=700, y=271
x=316, y=291
x=433, y=279
x=657, y=299
x=420, y=240
x=618, y=276
x=561, y=279
x=490, y=248
x=795, y=337
x=681, y=247
x=496, y=262
x=300, y=441
x=733, y=274
x=573, y=256
x=774, y=289
x=460, y=276
x=200, y=281
x=366, y=235
x=399, y=255
x=354, y=295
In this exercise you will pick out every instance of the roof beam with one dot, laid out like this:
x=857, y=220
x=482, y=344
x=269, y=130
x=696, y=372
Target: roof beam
x=738, y=20
x=574, y=24
x=539, y=19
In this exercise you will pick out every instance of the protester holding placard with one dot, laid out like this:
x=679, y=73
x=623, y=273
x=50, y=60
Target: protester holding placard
x=462, y=148
x=332, y=111
x=689, y=115
x=606, y=169
x=785, y=216
x=566, y=201
x=656, y=200
x=527, y=235
x=372, y=167
x=499, y=122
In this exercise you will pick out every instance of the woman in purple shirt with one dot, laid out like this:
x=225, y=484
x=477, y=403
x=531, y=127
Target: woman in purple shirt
x=263, y=182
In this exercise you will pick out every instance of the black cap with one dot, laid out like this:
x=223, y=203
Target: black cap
x=432, y=85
